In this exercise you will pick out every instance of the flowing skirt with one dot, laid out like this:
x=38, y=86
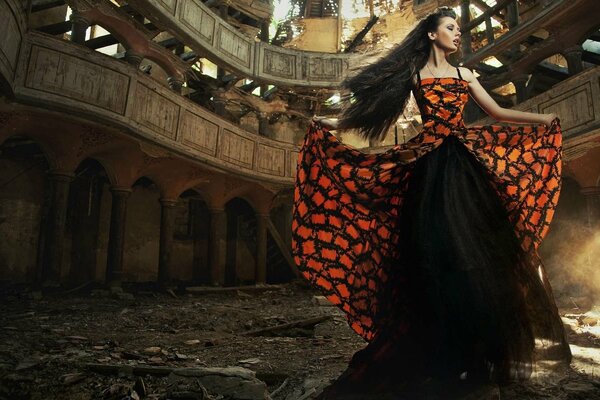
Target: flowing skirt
x=464, y=302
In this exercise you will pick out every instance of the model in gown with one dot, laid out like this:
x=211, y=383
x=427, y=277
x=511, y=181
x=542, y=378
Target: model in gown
x=430, y=248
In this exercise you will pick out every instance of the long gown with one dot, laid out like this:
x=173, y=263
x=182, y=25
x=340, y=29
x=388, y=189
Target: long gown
x=430, y=248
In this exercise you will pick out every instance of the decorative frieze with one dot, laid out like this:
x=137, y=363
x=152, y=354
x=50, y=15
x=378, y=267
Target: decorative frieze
x=574, y=106
x=65, y=75
x=276, y=63
x=235, y=45
x=237, y=149
x=195, y=18
x=198, y=133
x=156, y=111
x=208, y=34
x=270, y=159
x=323, y=69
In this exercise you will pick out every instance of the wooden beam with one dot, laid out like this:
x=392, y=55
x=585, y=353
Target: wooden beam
x=360, y=36
x=484, y=7
x=56, y=29
x=548, y=16
x=475, y=22
x=41, y=5
x=282, y=247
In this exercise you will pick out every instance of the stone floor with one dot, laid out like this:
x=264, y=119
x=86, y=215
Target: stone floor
x=203, y=343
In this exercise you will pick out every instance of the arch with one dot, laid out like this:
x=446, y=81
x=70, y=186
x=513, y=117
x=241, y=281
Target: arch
x=106, y=166
x=191, y=229
x=45, y=148
x=161, y=76
x=87, y=225
x=164, y=63
x=258, y=197
x=192, y=191
x=132, y=38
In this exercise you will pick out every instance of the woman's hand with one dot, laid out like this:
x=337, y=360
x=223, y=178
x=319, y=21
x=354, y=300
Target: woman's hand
x=548, y=118
x=326, y=122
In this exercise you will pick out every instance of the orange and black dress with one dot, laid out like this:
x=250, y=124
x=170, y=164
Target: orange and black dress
x=430, y=248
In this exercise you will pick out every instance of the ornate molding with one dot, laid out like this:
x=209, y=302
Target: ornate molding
x=159, y=117
x=199, y=27
x=134, y=35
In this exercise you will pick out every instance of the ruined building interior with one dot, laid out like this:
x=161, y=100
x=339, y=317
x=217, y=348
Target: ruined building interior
x=148, y=153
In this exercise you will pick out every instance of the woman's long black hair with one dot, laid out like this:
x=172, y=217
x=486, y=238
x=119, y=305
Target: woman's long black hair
x=379, y=92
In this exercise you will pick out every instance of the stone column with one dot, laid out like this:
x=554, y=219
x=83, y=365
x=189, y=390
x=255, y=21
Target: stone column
x=592, y=199
x=54, y=237
x=573, y=55
x=217, y=245
x=79, y=26
x=261, y=247
x=167, y=221
x=116, y=238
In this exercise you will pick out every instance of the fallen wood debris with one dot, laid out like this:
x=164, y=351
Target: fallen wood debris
x=304, y=323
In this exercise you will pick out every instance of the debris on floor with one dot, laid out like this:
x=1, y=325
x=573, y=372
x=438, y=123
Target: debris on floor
x=281, y=342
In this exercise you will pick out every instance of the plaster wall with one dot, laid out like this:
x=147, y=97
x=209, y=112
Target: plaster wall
x=245, y=261
x=319, y=34
x=21, y=198
x=142, y=234
x=182, y=260
x=389, y=30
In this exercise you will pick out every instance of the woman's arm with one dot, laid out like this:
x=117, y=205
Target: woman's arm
x=489, y=105
x=326, y=122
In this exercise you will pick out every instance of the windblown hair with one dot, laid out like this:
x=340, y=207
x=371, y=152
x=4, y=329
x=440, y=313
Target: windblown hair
x=379, y=92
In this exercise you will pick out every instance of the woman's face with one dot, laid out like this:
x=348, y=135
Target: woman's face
x=447, y=35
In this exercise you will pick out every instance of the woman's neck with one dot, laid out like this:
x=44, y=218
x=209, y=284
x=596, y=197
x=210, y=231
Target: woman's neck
x=437, y=58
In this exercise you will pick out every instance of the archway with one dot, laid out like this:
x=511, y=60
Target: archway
x=189, y=256
x=240, y=264
x=88, y=222
x=141, y=249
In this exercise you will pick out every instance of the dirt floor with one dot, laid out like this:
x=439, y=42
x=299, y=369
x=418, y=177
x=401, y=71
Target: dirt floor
x=94, y=344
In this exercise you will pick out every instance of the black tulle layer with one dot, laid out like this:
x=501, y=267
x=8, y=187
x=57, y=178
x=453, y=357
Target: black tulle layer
x=468, y=292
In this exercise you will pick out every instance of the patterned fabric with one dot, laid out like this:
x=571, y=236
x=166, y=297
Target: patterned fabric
x=347, y=203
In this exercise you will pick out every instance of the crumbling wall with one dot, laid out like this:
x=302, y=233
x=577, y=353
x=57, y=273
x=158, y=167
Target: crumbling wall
x=389, y=30
x=319, y=34
x=142, y=235
x=21, y=198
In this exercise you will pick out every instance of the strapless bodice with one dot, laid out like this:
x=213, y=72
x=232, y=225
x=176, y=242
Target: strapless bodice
x=441, y=101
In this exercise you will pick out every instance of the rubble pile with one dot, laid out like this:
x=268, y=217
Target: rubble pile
x=279, y=342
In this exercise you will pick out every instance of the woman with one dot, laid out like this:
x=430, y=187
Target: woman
x=430, y=248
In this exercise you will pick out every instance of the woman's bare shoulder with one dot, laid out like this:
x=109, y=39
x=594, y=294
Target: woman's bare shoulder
x=466, y=74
